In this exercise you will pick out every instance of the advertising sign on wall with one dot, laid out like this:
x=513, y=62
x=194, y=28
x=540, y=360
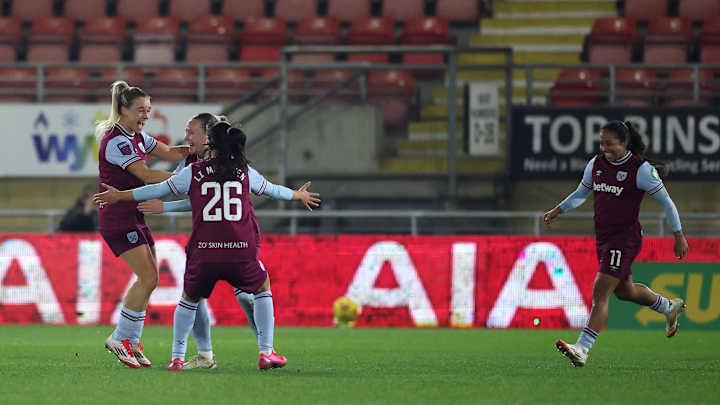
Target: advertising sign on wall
x=558, y=142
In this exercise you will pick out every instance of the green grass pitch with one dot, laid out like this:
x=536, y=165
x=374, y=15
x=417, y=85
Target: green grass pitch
x=68, y=365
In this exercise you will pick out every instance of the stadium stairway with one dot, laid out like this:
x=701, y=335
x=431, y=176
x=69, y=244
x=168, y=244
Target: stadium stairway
x=539, y=32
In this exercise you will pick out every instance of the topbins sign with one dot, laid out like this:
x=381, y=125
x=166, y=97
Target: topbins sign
x=558, y=142
x=54, y=140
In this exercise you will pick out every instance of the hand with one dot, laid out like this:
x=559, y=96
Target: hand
x=184, y=150
x=307, y=198
x=550, y=216
x=681, y=246
x=151, y=207
x=111, y=196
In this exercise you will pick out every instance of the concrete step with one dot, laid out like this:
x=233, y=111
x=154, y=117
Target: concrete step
x=558, y=7
x=480, y=40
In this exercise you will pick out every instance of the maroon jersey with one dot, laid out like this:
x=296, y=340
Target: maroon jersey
x=118, y=150
x=225, y=228
x=617, y=197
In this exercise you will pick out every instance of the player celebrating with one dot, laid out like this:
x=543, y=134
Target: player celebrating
x=123, y=150
x=619, y=177
x=224, y=243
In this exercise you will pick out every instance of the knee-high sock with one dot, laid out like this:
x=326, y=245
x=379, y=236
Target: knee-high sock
x=182, y=324
x=246, y=302
x=264, y=320
x=201, y=328
x=130, y=325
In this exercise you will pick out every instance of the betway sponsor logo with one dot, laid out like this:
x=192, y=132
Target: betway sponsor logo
x=608, y=188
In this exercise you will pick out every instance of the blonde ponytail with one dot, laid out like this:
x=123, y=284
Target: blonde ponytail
x=122, y=96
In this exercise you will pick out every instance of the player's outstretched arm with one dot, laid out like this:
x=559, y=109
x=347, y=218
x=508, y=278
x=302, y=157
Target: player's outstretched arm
x=308, y=199
x=170, y=153
x=113, y=195
x=149, y=176
x=158, y=207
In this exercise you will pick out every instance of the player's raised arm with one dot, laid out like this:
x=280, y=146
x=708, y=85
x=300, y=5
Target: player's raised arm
x=574, y=200
x=260, y=186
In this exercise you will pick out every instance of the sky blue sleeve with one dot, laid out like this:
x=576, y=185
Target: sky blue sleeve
x=121, y=152
x=671, y=212
x=260, y=186
x=179, y=167
x=149, y=142
x=180, y=183
x=648, y=179
x=578, y=197
x=151, y=191
x=179, y=205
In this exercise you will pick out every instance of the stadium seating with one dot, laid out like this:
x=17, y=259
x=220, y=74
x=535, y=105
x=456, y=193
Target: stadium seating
x=134, y=76
x=426, y=31
x=391, y=90
x=667, y=40
x=156, y=39
x=611, y=40
x=457, y=10
x=10, y=36
x=317, y=31
x=325, y=79
x=645, y=9
x=577, y=88
x=371, y=31
x=67, y=84
x=17, y=85
x=348, y=10
x=699, y=10
x=102, y=39
x=189, y=9
x=680, y=84
x=261, y=40
x=49, y=39
x=83, y=9
x=243, y=10
x=137, y=9
x=208, y=39
x=175, y=85
x=295, y=10
x=30, y=10
x=403, y=9
x=636, y=87
x=225, y=85
x=710, y=41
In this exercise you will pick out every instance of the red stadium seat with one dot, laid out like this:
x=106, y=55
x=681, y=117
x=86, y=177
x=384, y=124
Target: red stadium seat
x=403, y=9
x=646, y=9
x=31, y=10
x=699, y=10
x=710, y=41
x=295, y=10
x=156, y=39
x=208, y=39
x=138, y=9
x=325, y=79
x=225, y=85
x=10, y=36
x=67, y=85
x=458, y=10
x=611, y=40
x=102, y=39
x=189, y=9
x=17, y=85
x=243, y=10
x=83, y=9
x=391, y=90
x=49, y=39
x=635, y=87
x=667, y=40
x=426, y=31
x=261, y=40
x=318, y=31
x=348, y=10
x=371, y=31
x=175, y=85
x=577, y=88
x=680, y=84
x=134, y=76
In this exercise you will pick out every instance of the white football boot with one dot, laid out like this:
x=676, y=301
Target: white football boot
x=123, y=351
x=576, y=354
x=198, y=361
x=138, y=352
x=677, y=307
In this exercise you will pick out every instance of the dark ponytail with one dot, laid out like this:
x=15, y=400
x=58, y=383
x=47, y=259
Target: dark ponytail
x=626, y=131
x=228, y=145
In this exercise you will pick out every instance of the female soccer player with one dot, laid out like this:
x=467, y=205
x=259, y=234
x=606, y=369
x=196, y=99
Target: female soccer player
x=123, y=149
x=197, y=139
x=224, y=243
x=619, y=177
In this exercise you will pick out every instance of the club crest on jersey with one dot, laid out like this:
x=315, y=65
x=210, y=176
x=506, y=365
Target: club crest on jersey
x=621, y=175
x=125, y=148
x=132, y=237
